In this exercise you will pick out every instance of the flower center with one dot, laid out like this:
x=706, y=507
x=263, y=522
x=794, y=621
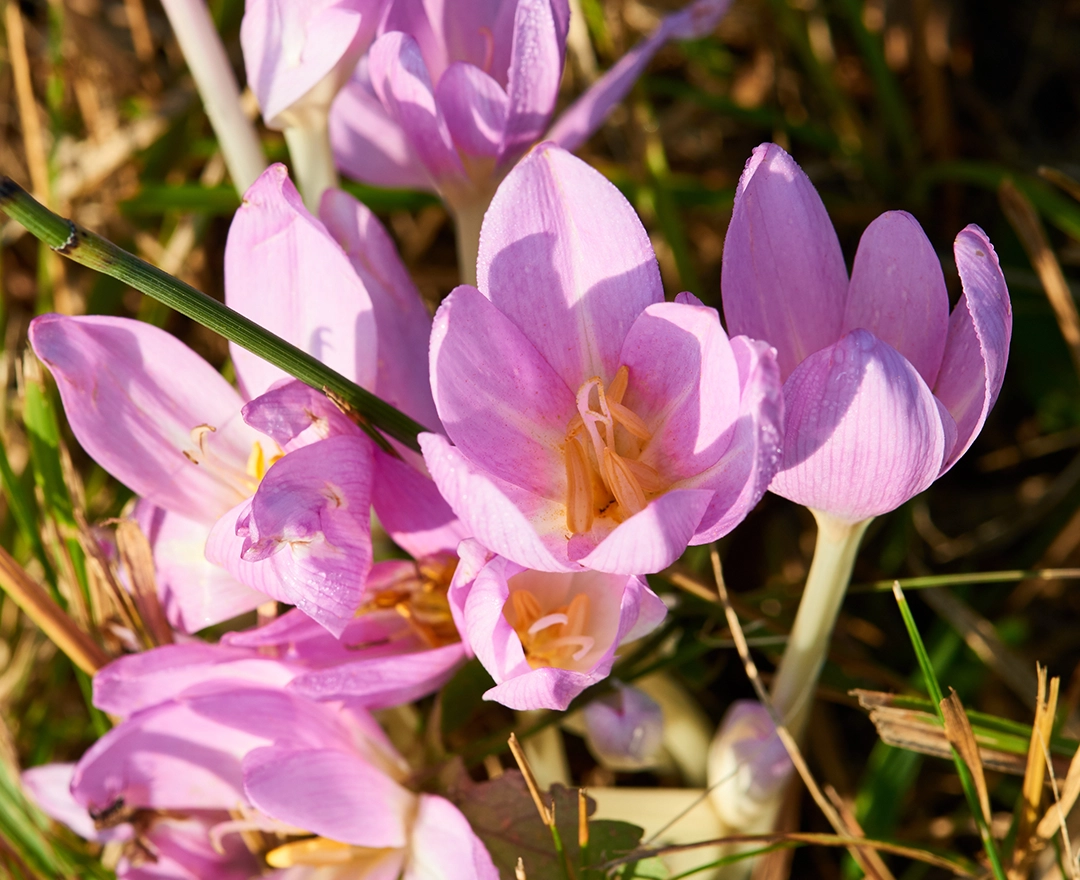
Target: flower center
x=604, y=476
x=552, y=638
x=243, y=482
x=420, y=597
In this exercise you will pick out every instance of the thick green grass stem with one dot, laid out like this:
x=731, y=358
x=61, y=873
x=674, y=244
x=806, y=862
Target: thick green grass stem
x=95, y=252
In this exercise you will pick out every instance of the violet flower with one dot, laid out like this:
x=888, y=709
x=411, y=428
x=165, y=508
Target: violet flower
x=546, y=636
x=590, y=423
x=624, y=729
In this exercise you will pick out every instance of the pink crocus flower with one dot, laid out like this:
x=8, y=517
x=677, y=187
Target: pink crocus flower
x=883, y=389
x=589, y=423
x=546, y=636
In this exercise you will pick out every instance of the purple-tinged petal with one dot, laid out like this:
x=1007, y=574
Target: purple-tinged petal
x=650, y=540
x=50, y=787
x=624, y=729
x=167, y=758
x=368, y=144
x=401, y=80
x=587, y=114
x=478, y=33
x=571, y=284
x=496, y=513
x=897, y=292
x=331, y=793
x=305, y=537
x=293, y=414
x=783, y=277
x=194, y=592
x=134, y=395
x=285, y=271
x=402, y=319
x=475, y=108
x=977, y=348
x=741, y=477
x=184, y=850
x=412, y=510
x=862, y=431
x=421, y=20
x=536, y=67
x=382, y=682
x=498, y=399
x=642, y=611
x=478, y=597
x=684, y=384
x=139, y=681
x=442, y=845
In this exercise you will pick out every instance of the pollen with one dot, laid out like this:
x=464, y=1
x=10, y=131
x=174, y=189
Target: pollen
x=604, y=441
x=555, y=637
x=419, y=596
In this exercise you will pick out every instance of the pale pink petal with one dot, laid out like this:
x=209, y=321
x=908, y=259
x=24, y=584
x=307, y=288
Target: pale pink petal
x=305, y=537
x=977, y=349
x=385, y=681
x=498, y=399
x=138, y=681
x=783, y=277
x=412, y=510
x=423, y=22
x=285, y=271
x=496, y=513
x=194, y=592
x=863, y=433
x=652, y=539
x=401, y=80
x=293, y=414
x=624, y=729
x=741, y=477
x=536, y=67
x=898, y=293
x=684, y=384
x=133, y=395
x=573, y=285
x=475, y=108
x=442, y=845
x=368, y=144
x=586, y=114
x=478, y=598
x=50, y=787
x=478, y=33
x=649, y=609
x=331, y=793
x=183, y=850
x=401, y=317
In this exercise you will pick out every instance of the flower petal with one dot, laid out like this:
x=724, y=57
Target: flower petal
x=412, y=510
x=898, y=293
x=783, y=277
x=293, y=414
x=475, y=108
x=194, y=592
x=588, y=112
x=499, y=400
x=133, y=395
x=977, y=349
x=624, y=729
x=305, y=537
x=862, y=434
x=284, y=271
x=442, y=845
x=50, y=787
x=331, y=793
x=572, y=285
x=402, y=82
x=503, y=517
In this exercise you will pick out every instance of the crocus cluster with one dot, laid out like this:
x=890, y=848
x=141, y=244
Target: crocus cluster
x=581, y=432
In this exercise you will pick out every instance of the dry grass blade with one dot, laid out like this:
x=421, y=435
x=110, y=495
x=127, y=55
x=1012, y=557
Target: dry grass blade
x=33, y=138
x=518, y=752
x=1035, y=775
x=1061, y=180
x=962, y=738
x=1054, y=818
x=1025, y=221
x=138, y=559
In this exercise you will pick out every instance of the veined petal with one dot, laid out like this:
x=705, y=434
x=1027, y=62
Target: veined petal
x=475, y=108
x=305, y=537
x=783, y=277
x=572, y=286
x=403, y=84
x=536, y=66
x=133, y=395
x=499, y=400
x=511, y=521
x=863, y=433
x=402, y=319
x=543, y=688
x=740, y=478
x=412, y=510
x=331, y=793
x=898, y=293
x=293, y=414
x=194, y=592
x=442, y=845
x=977, y=348
x=285, y=271
x=588, y=112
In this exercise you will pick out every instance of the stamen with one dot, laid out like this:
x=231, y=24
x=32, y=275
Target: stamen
x=630, y=420
x=584, y=644
x=314, y=852
x=548, y=620
x=624, y=486
x=577, y=613
x=525, y=607
x=648, y=478
x=617, y=388
x=579, y=504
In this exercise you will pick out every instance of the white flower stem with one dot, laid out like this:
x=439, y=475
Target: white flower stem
x=830, y=572
x=209, y=65
x=312, y=160
x=468, y=218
